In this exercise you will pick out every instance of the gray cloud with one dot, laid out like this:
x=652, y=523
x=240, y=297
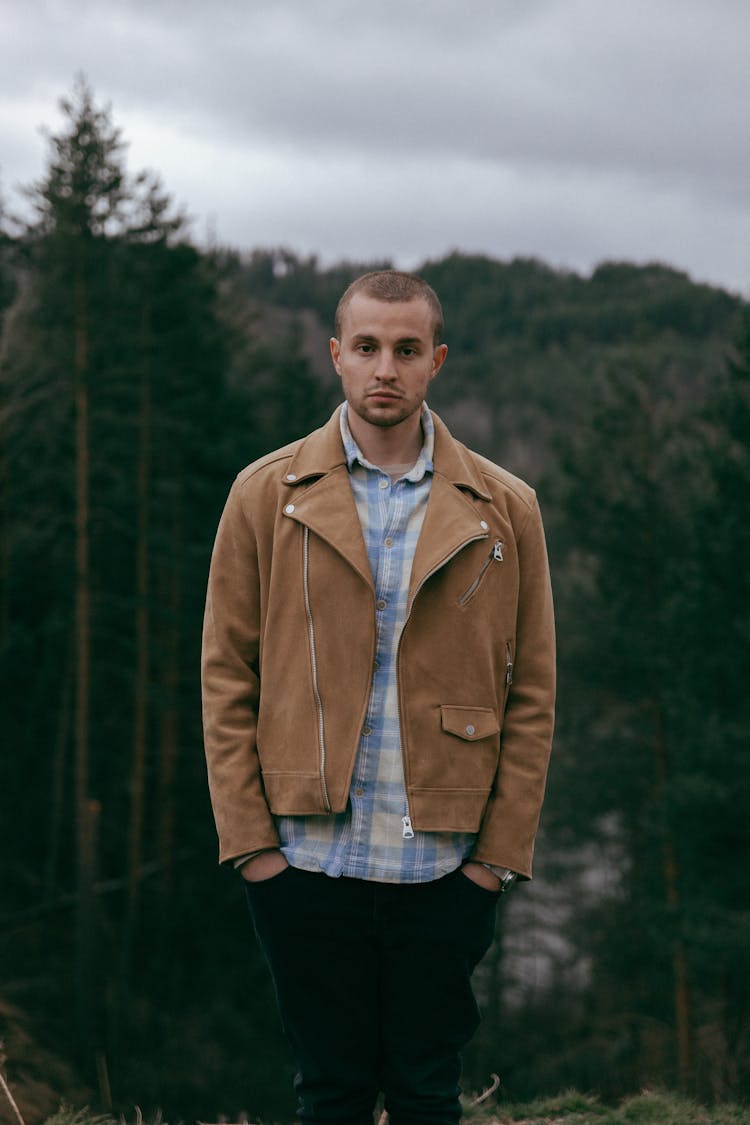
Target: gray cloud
x=566, y=128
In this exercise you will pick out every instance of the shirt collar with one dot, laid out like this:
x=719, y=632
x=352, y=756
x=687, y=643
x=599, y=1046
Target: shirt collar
x=423, y=463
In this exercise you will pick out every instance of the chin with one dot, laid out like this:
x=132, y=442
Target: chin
x=386, y=420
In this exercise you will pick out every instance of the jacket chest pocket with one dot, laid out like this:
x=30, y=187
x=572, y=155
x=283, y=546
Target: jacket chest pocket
x=494, y=557
x=472, y=724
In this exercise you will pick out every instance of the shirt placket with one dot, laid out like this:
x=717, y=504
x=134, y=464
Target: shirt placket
x=377, y=751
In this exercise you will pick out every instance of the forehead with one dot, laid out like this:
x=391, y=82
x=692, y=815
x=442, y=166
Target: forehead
x=367, y=316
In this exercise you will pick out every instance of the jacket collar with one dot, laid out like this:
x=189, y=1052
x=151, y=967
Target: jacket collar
x=319, y=453
x=322, y=452
x=327, y=506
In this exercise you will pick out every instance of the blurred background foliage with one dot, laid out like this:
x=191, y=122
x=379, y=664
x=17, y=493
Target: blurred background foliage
x=138, y=374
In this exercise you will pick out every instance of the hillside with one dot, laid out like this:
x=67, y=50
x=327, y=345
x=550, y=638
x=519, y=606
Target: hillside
x=622, y=397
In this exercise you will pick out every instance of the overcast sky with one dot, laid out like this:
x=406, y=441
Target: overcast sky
x=571, y=130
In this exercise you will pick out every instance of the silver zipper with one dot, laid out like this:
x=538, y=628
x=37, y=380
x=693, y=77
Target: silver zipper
x=314, y=661
x=496, y=555
x=508, y=665
x=435, y=569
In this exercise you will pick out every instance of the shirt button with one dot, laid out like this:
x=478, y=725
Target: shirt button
x=289, y=509
x=381, y=603
x=388, y=542
x=366, y=731
x=470, y=729
x=383, y=484
x=484, y=525
x=359, y=792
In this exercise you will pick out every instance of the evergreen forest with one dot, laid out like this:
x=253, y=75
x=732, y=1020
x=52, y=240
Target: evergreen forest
x=138, y=374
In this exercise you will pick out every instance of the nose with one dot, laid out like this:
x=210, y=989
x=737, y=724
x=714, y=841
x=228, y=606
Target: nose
x=385, y=370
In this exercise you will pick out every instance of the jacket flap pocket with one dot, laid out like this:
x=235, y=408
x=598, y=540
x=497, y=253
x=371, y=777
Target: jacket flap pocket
x=469, y=723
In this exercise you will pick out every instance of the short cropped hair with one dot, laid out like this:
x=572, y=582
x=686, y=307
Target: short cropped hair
x=394, y=286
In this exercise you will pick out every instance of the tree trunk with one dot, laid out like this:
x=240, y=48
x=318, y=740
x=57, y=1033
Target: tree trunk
x=670, y=869
x=89, y=835
x=83, y=655
x=10, y=317
x=670, y=866
x=170, y=713
x=143, y=640
x=57, y=797
x=140, y=692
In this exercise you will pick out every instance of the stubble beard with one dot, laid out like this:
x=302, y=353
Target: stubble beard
x=386, y=421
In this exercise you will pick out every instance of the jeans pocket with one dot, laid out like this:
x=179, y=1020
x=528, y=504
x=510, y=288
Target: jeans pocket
x=483, y=892
x=263, y=885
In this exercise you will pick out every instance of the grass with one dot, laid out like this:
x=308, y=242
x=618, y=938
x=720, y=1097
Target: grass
x=67, y=1116
x=652, y=1107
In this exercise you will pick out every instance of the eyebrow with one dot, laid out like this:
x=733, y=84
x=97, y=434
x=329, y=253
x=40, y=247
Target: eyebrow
x=367, y=338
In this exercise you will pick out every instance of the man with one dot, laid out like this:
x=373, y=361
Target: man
x=378, y=703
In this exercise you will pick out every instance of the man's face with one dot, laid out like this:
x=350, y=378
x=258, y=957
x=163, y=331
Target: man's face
x=386, y=358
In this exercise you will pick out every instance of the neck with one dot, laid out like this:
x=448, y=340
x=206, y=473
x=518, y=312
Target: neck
x=388, y=445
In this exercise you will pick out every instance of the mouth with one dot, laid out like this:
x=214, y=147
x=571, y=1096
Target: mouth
x=388, y=396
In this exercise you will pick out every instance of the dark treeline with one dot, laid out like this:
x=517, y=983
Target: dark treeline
x=138, y=375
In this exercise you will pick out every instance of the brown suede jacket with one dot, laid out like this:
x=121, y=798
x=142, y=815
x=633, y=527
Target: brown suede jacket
x=289, y=643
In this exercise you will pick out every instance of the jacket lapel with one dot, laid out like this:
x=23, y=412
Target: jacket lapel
x=326, y=505
x=451, y=520
x=450, y=523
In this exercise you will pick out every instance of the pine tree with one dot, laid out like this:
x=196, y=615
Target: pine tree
x=716, y=721
x=123, y=351
x=80, y=206
x=632, y=524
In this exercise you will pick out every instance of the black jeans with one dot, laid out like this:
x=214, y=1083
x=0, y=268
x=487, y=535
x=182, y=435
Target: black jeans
x=373, y=985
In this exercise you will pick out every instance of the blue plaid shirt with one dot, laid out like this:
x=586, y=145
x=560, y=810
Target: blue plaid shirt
x=373, y=838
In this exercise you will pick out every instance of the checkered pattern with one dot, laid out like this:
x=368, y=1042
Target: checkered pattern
x=367, y=840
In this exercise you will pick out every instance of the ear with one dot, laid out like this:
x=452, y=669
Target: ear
x=438, y=359
x=335, y=347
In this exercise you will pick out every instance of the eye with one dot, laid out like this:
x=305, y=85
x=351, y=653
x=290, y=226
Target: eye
x=366, y=349
x=408, y=351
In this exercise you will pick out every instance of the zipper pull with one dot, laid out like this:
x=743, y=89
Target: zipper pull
x=508, y=666
x=408, y=832
x=497, y=551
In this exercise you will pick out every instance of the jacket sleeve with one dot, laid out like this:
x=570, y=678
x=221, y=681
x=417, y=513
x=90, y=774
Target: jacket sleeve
x=231, y=688
x=506, y=837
